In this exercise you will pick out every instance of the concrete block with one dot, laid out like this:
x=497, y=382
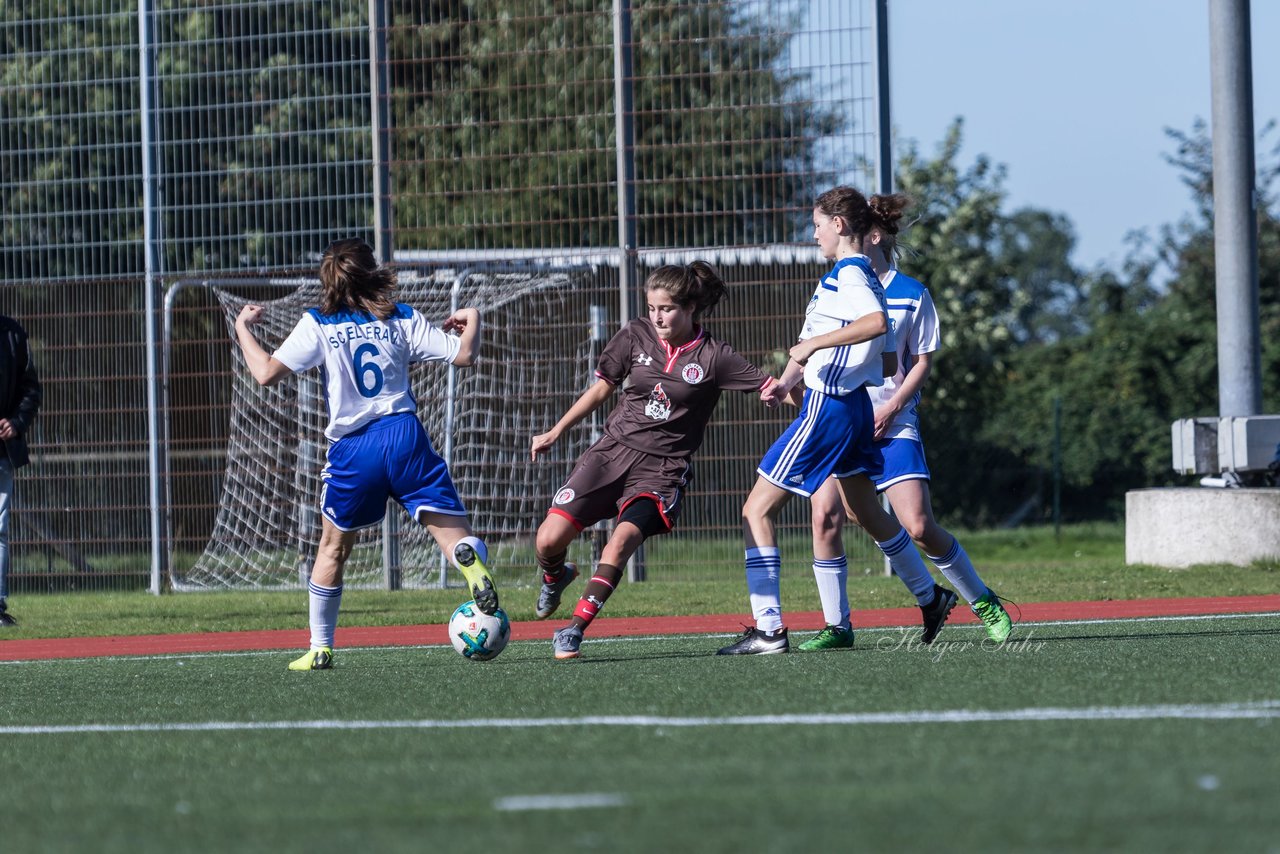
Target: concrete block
x=1179, y=527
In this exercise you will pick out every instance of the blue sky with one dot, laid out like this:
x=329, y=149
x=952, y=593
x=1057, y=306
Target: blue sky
x=1073, y=96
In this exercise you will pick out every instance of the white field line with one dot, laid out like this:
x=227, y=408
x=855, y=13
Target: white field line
x=866, y=630
x=1223, y=711
x=520, y=803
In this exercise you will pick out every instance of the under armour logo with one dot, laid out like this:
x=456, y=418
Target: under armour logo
x=644, y=359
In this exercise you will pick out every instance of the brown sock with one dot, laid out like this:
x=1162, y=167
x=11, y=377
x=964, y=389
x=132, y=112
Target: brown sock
x=552, y=567
x=599, y=589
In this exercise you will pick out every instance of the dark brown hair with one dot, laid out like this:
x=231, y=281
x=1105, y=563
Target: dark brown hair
x=887, y=210
x=695, y=285
x=848, y=204
x=352, y=280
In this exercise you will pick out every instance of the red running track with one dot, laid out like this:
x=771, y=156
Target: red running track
x=21, y=650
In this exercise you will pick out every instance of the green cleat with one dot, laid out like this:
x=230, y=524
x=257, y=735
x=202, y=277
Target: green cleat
x=479, y=581
x=993, y=616
x=320, y=658
x=831, y=637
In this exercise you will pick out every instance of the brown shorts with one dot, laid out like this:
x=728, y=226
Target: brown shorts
x=609, y=476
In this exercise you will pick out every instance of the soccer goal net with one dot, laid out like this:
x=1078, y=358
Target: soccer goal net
x=536, y=358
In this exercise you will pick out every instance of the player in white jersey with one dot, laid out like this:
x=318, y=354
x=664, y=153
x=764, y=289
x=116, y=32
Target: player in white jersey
x=839, y=356
x=905, y=477
x=364, y=342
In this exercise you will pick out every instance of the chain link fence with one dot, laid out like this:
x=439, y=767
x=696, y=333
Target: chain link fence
x=153, y=158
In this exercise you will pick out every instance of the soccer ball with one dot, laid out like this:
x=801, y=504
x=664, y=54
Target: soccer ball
x=477, y=635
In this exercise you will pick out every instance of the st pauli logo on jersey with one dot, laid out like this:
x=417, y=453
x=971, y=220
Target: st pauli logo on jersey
x=565, y=495
x=693, y=373
x=659, y=406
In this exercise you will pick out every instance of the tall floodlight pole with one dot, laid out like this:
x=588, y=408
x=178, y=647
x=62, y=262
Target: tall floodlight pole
x=884, y=156
x=1235, y=218
x=884, y=147
x=151, y=283
x=380, y=121
x=380, y=88
x=624, y=131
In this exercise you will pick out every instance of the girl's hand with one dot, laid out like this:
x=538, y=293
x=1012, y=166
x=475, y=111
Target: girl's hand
x=884, y=417
x=542, y=443
x=249, y=315
x=801, y=352
x=460, y=320
x=773, y=393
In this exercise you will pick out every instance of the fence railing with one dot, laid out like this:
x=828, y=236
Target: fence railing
x=146, y=146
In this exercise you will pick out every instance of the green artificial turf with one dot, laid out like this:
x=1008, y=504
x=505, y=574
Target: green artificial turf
x=1085, y=562
x=414, y=749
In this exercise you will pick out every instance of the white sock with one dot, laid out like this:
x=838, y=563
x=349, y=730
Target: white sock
x=324, y=602
x=908, y=566
x=477, y=546
x=958, y=569
x=764, y=567
x=832, y=575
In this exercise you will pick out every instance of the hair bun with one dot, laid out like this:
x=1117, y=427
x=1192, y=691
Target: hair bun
x=888, y=209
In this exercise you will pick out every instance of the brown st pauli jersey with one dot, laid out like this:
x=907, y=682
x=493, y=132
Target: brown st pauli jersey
x=673, y=391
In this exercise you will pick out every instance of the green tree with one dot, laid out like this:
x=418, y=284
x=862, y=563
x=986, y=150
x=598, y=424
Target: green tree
x=69, y=159
x=504, y=116
x=1001, y=283
x=259, y=155
x=264, y=132
x=1149, y=353
x=503, y=129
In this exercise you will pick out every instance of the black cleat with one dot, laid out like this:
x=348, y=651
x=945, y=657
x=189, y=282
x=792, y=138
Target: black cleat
x=936, y=612
x=756, y=642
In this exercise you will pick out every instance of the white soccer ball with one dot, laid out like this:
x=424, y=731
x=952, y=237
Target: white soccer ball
x=477, y=635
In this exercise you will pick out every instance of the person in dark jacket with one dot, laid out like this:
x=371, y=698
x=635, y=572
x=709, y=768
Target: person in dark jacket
x=19, y=399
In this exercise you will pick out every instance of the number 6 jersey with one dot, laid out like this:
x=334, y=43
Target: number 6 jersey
x=365, y=361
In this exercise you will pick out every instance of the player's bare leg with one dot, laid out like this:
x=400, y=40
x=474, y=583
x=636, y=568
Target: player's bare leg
x=763, y=564
x=623, y=543
x=324, y=596
x=455, y=537
x=552, y=543
x=913, y=506
x=830, y=569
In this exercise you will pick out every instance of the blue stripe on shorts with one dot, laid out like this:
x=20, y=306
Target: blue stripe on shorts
x=391, y=457
x=831, y=436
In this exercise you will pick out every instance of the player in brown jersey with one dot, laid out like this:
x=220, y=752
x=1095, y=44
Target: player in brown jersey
x=639, y=469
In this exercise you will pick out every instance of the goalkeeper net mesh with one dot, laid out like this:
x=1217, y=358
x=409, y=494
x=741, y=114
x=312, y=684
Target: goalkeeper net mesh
x=536, y=337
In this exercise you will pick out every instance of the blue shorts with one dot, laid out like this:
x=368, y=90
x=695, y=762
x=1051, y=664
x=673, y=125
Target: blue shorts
x=832, y=437
x=903, y=460
x=388, y=458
